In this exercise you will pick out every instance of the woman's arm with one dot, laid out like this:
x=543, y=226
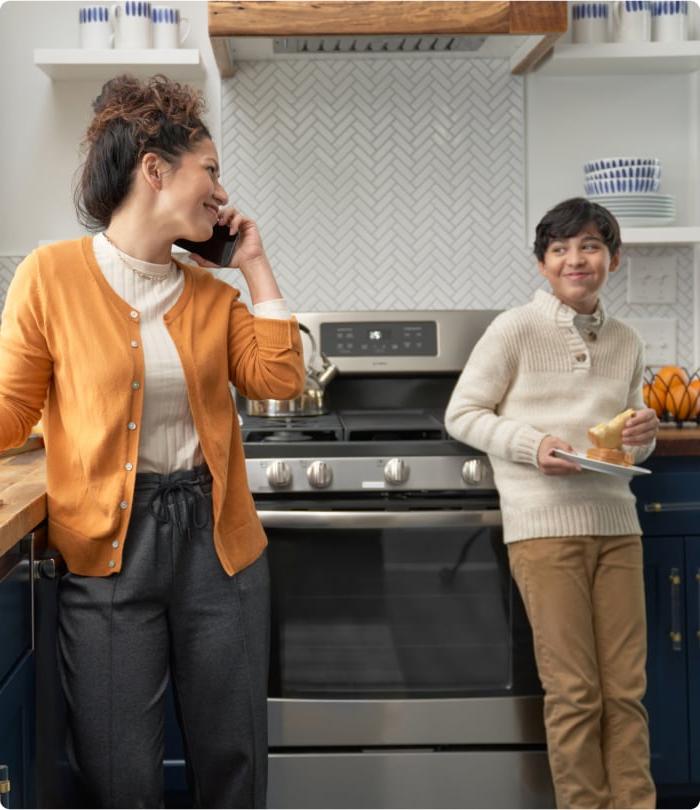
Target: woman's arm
x=25, y=361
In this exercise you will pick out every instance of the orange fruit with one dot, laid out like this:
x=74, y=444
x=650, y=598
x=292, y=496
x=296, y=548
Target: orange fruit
x=651, y=399
x=665, y=378
x=683, y=401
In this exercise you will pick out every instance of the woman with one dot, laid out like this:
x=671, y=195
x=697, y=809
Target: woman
x=132, y=352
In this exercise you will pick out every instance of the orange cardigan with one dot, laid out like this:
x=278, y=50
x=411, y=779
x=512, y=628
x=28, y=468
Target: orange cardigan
x=68, y=340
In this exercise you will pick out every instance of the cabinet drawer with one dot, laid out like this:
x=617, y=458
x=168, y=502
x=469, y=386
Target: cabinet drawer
x=668, y=502
x=15, y=609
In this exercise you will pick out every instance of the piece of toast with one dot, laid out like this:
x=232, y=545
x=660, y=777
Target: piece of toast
x=608, y=435
x=611, y=456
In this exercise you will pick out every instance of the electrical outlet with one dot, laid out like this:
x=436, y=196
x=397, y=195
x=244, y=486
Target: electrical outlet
x=659, y=337
x=652, y=279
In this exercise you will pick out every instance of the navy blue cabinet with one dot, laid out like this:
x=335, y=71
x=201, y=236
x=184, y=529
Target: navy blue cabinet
x=17, y=713
x=692, y=579
x=667, y=694
x=669, y=508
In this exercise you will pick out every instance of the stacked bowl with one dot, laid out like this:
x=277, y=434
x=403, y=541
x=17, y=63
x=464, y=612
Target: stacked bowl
x=628, y=187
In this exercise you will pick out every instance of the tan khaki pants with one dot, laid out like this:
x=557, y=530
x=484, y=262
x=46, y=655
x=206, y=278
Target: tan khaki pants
x=584, y=597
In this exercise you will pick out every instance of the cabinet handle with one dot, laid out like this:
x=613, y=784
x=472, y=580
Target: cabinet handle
x=45, y=569
x=681, y=506
x=4, y=785
x=675, y=634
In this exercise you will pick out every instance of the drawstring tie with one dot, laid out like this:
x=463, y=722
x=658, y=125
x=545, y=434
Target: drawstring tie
x=164, y=503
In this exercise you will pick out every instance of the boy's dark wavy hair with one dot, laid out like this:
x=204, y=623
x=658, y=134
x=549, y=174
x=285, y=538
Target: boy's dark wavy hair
x=569, y=218
x=131, y=118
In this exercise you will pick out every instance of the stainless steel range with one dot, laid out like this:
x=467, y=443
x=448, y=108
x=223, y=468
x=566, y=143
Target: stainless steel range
x=402, y=671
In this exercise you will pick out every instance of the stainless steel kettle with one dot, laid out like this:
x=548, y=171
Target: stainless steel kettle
x=311, y=401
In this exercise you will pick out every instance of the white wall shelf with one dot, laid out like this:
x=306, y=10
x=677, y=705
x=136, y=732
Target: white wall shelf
x=623, y=58
x=182, y=64
x=661, y=236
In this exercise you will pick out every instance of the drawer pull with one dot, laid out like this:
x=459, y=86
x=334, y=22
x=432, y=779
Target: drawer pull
x=680, y=506
x=675, y=634
x=4, y=780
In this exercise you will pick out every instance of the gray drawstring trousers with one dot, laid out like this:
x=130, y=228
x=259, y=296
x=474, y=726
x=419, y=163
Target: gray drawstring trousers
x=172, y=612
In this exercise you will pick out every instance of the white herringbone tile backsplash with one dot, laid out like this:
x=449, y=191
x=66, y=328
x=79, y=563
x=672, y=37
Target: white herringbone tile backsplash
x=396, y=184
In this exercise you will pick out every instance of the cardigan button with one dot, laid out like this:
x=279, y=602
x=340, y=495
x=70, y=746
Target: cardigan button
x=136, y=385
x=123, y=505
x=111, y=563
x=134, y=315
x=581, y=358
x=132, y=425
x=134, y=344
x=128, y=466
x=115, y=543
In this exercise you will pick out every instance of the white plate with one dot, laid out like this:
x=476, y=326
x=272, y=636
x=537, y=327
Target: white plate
x=628, y=196
x=646, y=222
x=601, y=466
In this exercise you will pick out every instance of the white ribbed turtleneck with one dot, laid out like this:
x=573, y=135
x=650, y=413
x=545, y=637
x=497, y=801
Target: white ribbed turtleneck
x=169, y=440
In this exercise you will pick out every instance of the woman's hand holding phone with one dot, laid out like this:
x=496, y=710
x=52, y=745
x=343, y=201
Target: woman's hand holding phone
x=249, y=256
x=249, y=247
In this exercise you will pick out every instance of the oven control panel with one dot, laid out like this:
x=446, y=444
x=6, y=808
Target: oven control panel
x=380, y=339
x=362, y=474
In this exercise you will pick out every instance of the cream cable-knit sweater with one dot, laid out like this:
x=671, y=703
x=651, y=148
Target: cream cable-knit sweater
x=169, y=440
x=531, y=375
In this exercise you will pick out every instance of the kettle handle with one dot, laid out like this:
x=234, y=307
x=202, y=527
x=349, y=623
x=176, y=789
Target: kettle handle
x=315, y=351
x=314, y=347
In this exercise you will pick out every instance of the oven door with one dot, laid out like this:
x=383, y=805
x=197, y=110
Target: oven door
x=397, y=626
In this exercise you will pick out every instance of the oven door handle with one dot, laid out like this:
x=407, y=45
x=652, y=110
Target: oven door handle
x=418, y=519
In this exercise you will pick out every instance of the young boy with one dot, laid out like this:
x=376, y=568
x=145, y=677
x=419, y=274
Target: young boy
x=539, y=378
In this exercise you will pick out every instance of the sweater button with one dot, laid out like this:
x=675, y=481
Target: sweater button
x=581, y=358
x=111, y=563
x=132, y=425
x=128, y=466
x=115, y=543
x=134, y=315
x=134, y=344
x=136, y=385
x=123, y=505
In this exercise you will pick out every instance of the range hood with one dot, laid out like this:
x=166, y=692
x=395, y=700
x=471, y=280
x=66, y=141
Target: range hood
x=522, y=31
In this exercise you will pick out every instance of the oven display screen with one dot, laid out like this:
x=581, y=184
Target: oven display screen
x=395, y=339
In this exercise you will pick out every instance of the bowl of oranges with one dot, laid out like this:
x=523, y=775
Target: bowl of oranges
x=673, y=393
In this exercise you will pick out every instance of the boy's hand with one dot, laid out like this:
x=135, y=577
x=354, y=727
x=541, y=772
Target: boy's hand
x=640, y=428
x=551, y=465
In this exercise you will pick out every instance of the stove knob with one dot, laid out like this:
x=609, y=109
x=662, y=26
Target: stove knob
x=279, y=475
x=320, y=475
x=396, y=471
x=473, y=471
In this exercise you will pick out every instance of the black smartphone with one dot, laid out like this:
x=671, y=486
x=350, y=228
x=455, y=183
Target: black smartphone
x=218, y=249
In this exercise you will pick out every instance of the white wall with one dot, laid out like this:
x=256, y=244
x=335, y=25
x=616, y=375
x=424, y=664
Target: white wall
x=42, y=121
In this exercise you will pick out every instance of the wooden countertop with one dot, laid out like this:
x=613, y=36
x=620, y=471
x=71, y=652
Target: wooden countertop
x=23, y=495
x=674, y=441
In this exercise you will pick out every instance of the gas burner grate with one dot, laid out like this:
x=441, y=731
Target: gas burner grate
x=391, y=425
x=326, y=428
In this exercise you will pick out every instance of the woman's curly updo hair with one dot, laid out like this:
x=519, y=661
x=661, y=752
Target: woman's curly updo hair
x=132, y=118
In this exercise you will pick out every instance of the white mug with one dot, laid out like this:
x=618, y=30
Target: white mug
x=693, y=19
x=632, y=21
x=132, y=24
x=669, y=20
x=169, y=29
x=94, y=27
x=589, y=22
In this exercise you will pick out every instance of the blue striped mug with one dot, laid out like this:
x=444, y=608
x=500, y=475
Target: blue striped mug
x=170, y=28
x=94, y=27
x=132, y=24
x=589, y=22
x=632, y=20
